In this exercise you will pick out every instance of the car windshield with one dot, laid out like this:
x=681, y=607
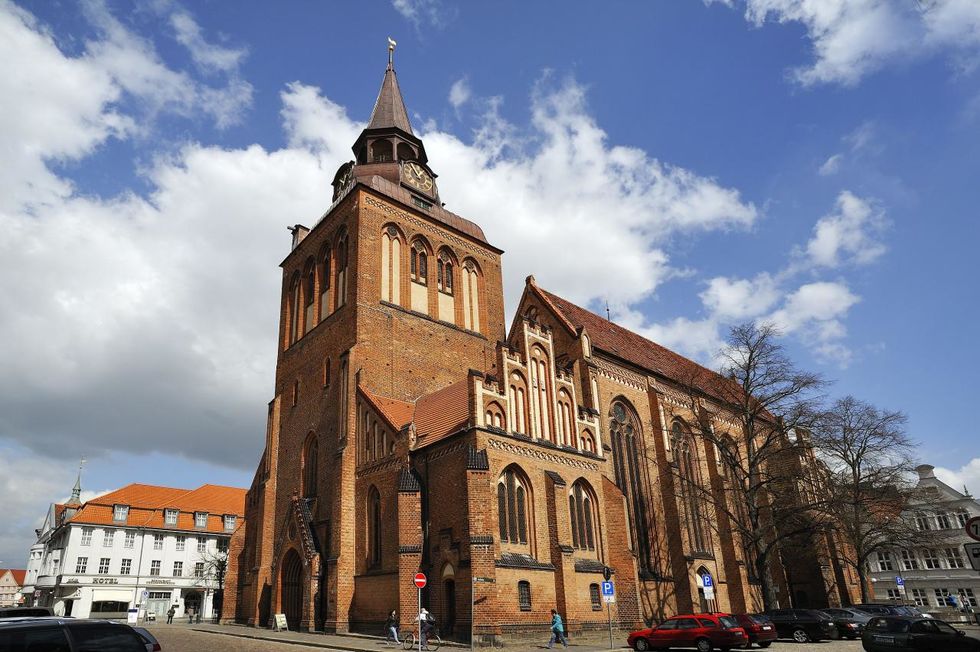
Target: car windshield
x=943, y=627
x=727, y=622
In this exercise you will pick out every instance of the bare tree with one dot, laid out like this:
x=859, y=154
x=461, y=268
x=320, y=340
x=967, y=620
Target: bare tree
x=869, y=460
x=766, y=400
x=215, y=568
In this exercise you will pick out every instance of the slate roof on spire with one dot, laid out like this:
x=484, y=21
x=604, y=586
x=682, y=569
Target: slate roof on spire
x=389, y=109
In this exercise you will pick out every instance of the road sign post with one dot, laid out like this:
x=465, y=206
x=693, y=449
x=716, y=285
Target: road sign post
x=609, y=596
x=420, y=584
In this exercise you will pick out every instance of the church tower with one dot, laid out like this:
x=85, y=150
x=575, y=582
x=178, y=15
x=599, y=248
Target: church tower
x=387, y=292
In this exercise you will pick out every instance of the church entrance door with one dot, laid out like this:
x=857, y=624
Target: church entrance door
x=292, y=589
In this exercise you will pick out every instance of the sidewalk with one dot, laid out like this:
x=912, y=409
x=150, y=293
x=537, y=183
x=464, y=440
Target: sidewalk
x=357, y=642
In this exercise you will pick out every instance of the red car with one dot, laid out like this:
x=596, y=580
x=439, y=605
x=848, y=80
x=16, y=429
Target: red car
x=759, y=629
x=703, y=632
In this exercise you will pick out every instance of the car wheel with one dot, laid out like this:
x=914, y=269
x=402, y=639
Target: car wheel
x=641, y=645
x=800, y=636
x=703, y=645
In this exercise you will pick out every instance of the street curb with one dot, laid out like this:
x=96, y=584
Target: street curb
x=313, y=643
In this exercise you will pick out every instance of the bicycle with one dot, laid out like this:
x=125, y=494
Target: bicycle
x=433, y=642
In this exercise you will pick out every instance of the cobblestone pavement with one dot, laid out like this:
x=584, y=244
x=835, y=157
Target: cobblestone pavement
x=213, y=638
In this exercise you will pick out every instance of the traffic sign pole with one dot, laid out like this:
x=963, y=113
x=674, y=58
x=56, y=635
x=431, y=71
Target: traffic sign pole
x=420, y=584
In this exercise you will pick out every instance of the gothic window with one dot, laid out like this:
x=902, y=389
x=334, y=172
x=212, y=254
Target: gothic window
x=689, y=479
x=390, y=265
x=326, y=373
x=381, y=151
x=325, y=282
x=471, y=296
x=294, y=291
x=627, y=438
x=531, y=314
x=540, y=391
x=513, y=505
x=420, y=263
x=581, y=508
x=587, y=442
x=566, y=421
x=374, y=527
x=341, y=273
x=586, y=346
x=309, y=296
x=342, y=430
x=309, y=466
x=495, y=416
x=517, y=403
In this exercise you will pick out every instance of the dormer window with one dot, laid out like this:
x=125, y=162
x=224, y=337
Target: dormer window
x=120, y=513
x=200, y=519
x=170, y=516
x=230, y=520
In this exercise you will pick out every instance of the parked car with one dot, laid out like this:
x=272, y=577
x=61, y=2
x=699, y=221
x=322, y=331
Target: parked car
x=850, y=622
x=149, y=640
x=25, y=612
x=703, y=632
x=887, y=609
x=55, y=634
x=758, y=628
x=914, y=633
x=802, y=625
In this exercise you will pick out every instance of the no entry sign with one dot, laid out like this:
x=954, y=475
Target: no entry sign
x=420, y=580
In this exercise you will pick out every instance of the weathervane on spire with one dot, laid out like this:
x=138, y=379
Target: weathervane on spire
x=391, y=52
x=76, y=491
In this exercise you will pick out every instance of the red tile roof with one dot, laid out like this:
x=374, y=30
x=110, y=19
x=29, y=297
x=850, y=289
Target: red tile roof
x=441, y=413
x=18, y=573
x=398, y=413
x=634, y=348
x=147, y=504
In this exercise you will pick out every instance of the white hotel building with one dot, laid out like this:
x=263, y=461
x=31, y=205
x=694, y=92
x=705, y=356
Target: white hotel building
x=141, y=546
x=938, y=576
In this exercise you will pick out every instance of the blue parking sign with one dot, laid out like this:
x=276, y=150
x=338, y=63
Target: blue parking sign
x=607, y=588
x=899, y=580
x=706, y=581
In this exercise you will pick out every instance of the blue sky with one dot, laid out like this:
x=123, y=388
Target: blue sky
x=692, y=164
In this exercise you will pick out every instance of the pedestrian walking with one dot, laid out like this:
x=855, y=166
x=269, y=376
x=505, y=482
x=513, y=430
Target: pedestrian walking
x=190, y=616
x=170, y=615
x=557, y=630
x=391, y=627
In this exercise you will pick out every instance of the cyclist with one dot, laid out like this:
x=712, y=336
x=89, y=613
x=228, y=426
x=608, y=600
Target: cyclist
x=426, y=624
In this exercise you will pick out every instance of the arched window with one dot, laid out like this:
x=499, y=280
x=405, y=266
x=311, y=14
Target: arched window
x=531, y=314
x=587, y=441
x=495, y=416
x=374, y=527
x=294, y=292
x=390, y=265
x=689, y=479
x=566, y=420
x=325, y=273
x=326, y=373
x=420, y=263
x=381, y=151
x=471, y=296
x=445, y=268
x=626, y=439
x=342, y=429
x=309, y=294
x=513, y=506
x=541, y=392
x=341, y=273
x=517, y=403
x=310, y=453
x=582, y=510
x=586, y=346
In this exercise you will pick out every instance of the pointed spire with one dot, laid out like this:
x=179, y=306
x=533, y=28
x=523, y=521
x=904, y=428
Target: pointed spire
x=76, y=491
x=389, y=109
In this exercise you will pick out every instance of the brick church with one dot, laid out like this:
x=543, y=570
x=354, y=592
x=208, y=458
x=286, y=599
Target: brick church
x=412, y=430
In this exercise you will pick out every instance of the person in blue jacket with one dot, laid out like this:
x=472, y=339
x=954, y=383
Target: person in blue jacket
x=557, y=630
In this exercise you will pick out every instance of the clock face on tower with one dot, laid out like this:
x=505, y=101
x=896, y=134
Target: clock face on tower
x=417, y=177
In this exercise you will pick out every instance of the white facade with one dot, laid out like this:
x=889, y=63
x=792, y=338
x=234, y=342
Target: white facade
x=938, y=576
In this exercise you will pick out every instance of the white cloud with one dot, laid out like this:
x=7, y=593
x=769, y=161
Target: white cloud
x=459, y=93
x=851, y=234
x=854, y=38
x=815, y=311
x=424, y=12
x=209, y=56
x=831, y=165
x=968, y=475
x=740, y=299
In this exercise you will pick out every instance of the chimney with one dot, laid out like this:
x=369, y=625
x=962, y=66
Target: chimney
x=299, y=232
x=925, y=471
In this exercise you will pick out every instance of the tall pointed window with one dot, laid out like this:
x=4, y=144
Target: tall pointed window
x=689, y=479
x=517, y=404
x=420, y=264
x=513, y=506
x=309, y=296
x=541, y=392
x=294, y=292
x=390, y=265
x=566, y=422
x=341, y=273
x=374, y=527
x=325, y=272
x=310, y=453
x=582, y=510
x=471, y=296
x=627, y=438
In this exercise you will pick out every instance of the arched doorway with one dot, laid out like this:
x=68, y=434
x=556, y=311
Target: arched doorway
x=291, y=597
x=706, y=591
x=449, y=600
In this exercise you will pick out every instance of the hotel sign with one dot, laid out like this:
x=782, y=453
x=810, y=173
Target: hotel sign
x=105, y=580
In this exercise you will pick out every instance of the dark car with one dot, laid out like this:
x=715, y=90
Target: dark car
x=25, y=612
x=54, y=634
x=886, y=609
x=850, y=622
x=901, y=633
x=703, y=632
x=758, y=628
x=802, y=625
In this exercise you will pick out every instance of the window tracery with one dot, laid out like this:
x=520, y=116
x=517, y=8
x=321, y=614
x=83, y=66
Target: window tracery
x=513, y=507
x=626, y=435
